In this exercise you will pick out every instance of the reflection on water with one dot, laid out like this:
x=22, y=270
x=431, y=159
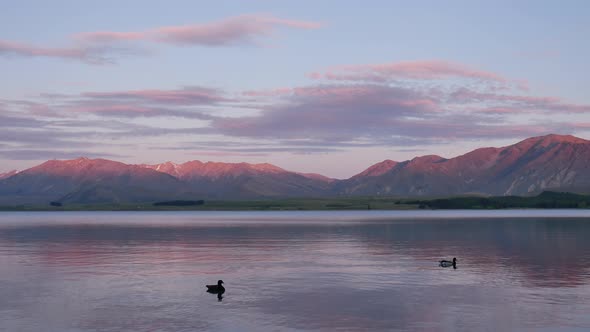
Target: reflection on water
x=292, y=271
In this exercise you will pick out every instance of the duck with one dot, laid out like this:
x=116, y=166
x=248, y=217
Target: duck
x=216, y=289
x=445, y=263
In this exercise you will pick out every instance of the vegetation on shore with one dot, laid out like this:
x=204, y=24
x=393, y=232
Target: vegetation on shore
x=546, y=200
x=353, y=203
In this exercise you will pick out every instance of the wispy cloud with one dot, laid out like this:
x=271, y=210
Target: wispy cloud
x=186, y=102
x=224, y=154
x=257, y=150
x=331, y=112
x=512, y=103
x=245, y=29
x=91, y=54
x=52, y=154
x=106, y=47
x=323, y=117
x=115, y=110
x=8, y=121
x=415, y=70
x=414, y=102
x=268, y=93
x=377, y=113
x=183, y=96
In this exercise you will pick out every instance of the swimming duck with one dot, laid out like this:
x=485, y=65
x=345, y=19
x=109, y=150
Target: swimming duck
x=445, y=263
x=216, y=289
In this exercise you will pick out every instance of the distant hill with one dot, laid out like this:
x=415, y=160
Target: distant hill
x=243, y=180
x=552, y=162
x=547, y=163
x=89, y=181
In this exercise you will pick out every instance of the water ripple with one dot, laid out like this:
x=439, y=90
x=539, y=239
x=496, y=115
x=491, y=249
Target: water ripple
x=307, y=271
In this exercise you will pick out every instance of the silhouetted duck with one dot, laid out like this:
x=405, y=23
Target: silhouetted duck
x=445, y=263
x=216, y=289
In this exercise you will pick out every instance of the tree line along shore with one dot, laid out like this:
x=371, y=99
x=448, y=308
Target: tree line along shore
x=545, y=200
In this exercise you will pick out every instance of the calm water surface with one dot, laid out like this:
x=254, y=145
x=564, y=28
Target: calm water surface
x=119, y=271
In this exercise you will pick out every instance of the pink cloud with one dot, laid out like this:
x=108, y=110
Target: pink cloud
x=268, y=93
x=109, y=36
x=228, y=154
x=185, y=96
x=332, y=112
x=504, y=103
x=378, y=95
x=417, y=70
x=239, y=29
x=390, y=115
x=102, y=47
x=467, y=95
x=187, y=102
x=314, y=75
x=93, y=55
x=120, y=110
x=132, y=111
x=522, y=85
x=318, y=118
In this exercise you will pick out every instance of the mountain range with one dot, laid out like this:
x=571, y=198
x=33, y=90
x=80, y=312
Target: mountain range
x=552, y=162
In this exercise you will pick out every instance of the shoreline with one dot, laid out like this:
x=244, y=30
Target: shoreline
x=545, y=201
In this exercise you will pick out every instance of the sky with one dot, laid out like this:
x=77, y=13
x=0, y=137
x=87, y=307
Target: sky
x=328, y=87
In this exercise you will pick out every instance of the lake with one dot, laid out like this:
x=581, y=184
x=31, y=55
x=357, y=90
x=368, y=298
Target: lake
x=289, y=271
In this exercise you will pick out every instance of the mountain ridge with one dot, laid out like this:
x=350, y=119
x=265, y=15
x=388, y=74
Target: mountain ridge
x=524, y=168
x=8, y=174
x=528, y=167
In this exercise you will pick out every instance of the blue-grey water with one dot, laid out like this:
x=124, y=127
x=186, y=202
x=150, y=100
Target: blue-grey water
x=288, y=271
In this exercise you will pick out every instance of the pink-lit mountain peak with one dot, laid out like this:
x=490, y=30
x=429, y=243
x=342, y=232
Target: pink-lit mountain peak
x=552, y=162
x=69, y=167
x=427, y=159
x=547, y=140
x=486, y=155
x=168, y=167
x=8, y=174
x=211, y=169
x=195, y=170
x=87, y=168
x=241, y=167
x=379, y=168
x=482, y=158
x=555, y=162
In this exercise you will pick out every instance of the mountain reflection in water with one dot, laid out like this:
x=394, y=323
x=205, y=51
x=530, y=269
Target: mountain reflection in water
x=86, y=272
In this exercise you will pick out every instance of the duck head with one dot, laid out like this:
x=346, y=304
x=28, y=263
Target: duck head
x=454, y=260
x=219, y=282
